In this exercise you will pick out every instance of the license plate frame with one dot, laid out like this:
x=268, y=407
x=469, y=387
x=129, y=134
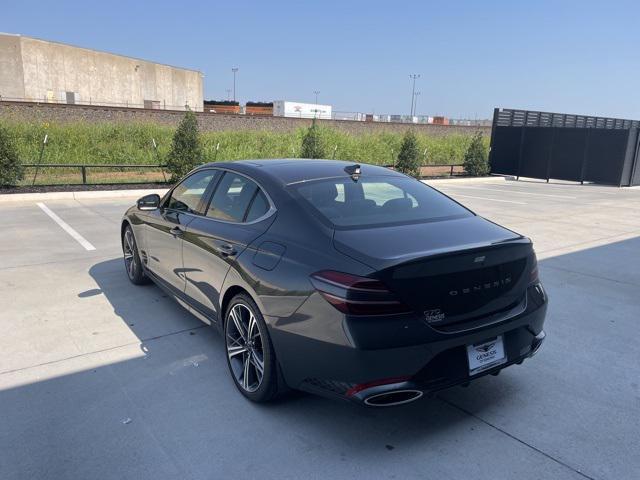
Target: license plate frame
x=485, y=355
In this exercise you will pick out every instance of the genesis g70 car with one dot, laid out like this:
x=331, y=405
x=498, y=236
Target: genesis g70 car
x=350, y=281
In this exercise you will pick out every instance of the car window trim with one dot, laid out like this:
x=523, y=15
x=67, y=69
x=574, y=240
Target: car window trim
x=211, y=188
x=253, y=197
x=214, y=190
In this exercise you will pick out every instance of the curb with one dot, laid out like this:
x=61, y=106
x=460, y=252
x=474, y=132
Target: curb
x=446, y=181
x=36, y=197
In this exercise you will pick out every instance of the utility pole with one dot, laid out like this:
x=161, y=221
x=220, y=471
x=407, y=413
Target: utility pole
x=415, y=103
x=413, y=77
x=234, y=70
x=316, y=93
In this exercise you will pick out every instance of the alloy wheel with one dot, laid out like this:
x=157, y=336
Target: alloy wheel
x=245, y=347
x=130, y=260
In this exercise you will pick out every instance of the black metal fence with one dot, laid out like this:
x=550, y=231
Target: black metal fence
x=565, y=147
x=426, y=171
x=83, y=168
x=438, y=170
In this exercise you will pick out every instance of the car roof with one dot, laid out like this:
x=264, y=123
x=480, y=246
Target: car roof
x=296, y=170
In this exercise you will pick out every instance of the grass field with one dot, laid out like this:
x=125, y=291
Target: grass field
x=132, y=143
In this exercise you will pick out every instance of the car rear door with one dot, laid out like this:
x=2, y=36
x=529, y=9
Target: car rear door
x=166, y=227
x=239, y=212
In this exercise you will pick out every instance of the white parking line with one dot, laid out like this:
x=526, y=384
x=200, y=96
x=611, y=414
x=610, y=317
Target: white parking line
x=484, y=198
x=65, y=226
x=518, y=192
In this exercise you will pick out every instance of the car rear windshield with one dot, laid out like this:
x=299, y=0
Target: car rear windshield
x=377, y=201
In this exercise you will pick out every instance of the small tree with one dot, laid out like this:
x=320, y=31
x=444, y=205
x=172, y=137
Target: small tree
x=409, y=155
x=476, y=160
x=11, y=170
x=186, y=151
x=312, y=144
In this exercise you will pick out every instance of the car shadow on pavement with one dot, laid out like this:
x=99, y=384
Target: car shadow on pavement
x=166, y=388
x=161, y=404
x=153, y=316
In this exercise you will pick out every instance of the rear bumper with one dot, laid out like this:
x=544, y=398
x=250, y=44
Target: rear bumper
x=344, y=371
x=445, y=377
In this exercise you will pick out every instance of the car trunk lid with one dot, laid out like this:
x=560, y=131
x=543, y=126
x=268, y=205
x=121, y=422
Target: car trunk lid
x=449, y=271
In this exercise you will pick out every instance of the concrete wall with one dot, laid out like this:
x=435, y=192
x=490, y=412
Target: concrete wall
x=34, y=112
x=11, y=77
x=47, y=70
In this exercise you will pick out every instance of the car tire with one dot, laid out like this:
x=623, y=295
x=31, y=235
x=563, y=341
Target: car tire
x=132, y=262
x=248, y=350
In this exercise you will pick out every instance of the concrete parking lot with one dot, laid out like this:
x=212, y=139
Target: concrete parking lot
x=101, y=379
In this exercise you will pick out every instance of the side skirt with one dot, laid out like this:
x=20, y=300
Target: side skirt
x=181, y=298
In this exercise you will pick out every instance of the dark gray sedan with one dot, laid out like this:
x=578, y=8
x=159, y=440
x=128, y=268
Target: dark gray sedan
x=350, y=281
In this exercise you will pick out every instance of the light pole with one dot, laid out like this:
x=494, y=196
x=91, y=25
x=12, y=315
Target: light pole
x=228, y=94
x=234, y=70
x=413, y=77
x=415, y=104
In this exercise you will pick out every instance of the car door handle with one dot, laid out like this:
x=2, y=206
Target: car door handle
x=226, y=249
x=176, y=231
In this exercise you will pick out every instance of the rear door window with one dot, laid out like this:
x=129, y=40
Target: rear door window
x=237, y=199
x=258, y=208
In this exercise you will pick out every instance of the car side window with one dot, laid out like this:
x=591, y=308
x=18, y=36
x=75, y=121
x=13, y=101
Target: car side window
x=186, y=197
x=258, y=207
x=232, y=198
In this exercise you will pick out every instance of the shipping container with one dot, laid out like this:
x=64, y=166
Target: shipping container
x=284, y=108
x=222, y=106
x=259, y=108
x=354, y=116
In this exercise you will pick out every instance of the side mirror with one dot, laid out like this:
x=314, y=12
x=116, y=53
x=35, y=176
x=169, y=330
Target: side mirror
x=149, y=202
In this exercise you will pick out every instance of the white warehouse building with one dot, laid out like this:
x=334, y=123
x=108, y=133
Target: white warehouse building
x=43, y=71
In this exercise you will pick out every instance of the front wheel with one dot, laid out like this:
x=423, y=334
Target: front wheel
x=132, y=262
x=250, y=356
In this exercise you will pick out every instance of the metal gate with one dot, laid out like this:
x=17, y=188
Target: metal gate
x=565, y=147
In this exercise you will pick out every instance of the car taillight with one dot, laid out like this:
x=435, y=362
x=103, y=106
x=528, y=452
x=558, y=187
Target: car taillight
x=354, y=295
x=533, y=276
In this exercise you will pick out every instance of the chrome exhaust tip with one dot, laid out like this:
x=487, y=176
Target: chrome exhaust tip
x=537, y=343
x=393, y=398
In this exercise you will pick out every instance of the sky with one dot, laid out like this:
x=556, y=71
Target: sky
x=562, y=56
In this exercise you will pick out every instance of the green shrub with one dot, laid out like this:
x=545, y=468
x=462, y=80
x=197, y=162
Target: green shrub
x=409, y=155
x=11, y=170
x=131, y=143
x=476, y=160
x=186, y=151
x=313, y=145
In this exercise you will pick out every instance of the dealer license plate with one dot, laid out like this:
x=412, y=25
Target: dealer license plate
x=485, y=355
